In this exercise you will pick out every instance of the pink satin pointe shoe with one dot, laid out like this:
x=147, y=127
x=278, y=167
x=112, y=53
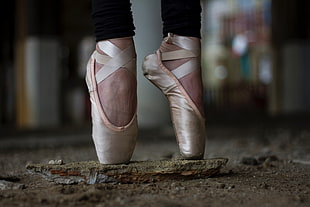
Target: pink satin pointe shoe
x=187, y=119
x=114, y=144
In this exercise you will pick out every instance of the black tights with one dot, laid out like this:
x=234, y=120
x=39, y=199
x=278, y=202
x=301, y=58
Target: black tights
x=113, y=18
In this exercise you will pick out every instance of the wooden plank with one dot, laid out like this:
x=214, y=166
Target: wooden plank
x=91, y=172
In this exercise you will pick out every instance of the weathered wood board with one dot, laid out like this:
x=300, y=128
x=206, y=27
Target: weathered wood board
x=91, y=172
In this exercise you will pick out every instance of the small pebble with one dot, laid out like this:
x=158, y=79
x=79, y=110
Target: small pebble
x=55, y=162
x=231, y=187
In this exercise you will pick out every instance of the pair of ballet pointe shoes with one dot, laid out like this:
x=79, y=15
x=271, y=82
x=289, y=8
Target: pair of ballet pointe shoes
x=115, y=144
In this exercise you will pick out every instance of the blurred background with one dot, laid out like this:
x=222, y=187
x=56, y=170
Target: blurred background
x=256, y=62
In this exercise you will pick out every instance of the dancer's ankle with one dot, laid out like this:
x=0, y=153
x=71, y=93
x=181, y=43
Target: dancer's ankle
x=121, y=43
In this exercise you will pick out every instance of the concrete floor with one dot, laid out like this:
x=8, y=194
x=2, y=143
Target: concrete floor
x=280, y=182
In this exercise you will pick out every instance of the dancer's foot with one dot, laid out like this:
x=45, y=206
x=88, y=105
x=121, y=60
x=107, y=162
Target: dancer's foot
x=118, y=92
x=111, y=81
x=175, y=70
x=192, y=82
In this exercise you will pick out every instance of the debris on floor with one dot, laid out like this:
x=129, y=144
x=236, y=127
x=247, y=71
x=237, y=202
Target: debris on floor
x=55, y=162
x=262, y=160
x=7, y=185
x=92, y=172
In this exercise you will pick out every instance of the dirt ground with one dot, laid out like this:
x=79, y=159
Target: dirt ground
x=269, y=165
